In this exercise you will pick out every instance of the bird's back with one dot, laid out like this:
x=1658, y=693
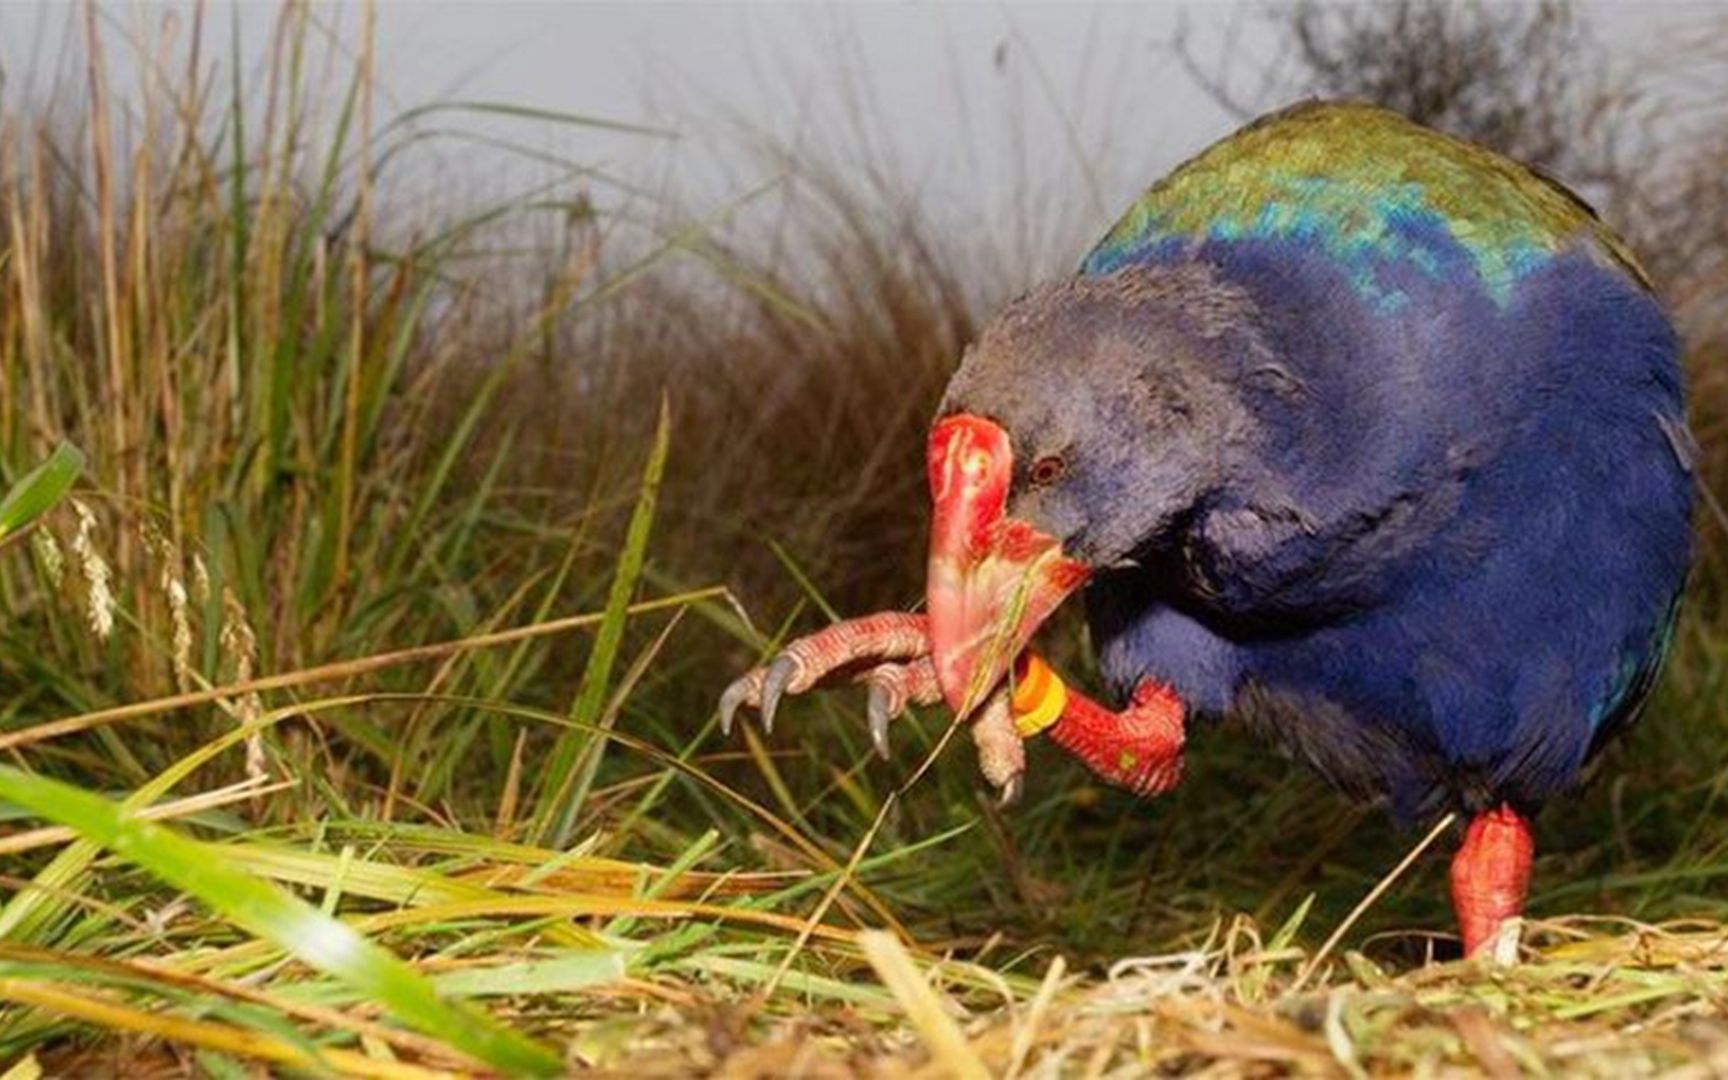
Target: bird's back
x=1367, y=183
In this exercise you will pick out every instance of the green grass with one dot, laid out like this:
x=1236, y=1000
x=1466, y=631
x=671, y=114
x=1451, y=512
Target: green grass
x=357, y=678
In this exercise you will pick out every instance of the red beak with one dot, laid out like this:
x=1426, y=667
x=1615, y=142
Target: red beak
x=993, y=580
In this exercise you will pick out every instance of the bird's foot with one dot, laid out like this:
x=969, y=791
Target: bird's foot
x=1490, y=878
x=888, y=652
x=1138, y=748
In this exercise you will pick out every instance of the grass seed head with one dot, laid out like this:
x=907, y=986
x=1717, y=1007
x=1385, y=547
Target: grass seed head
x=98, y=576
x=49, y=558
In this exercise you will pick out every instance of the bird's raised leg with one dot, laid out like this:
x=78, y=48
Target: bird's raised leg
x=1138, y=748
x=1491, y=875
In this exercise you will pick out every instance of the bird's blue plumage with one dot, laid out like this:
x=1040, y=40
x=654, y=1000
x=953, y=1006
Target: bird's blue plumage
x=1460, y=568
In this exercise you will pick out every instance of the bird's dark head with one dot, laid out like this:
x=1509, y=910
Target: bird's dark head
x=1083, y=426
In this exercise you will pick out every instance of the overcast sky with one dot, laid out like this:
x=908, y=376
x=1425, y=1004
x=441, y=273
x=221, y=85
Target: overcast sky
x=1067, y=105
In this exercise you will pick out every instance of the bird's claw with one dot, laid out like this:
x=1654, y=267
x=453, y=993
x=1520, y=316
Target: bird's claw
x=1001, y=752
x=746, y=688
x=888, y=651
x=881, y=709
x=775, y=681
x=890, y=654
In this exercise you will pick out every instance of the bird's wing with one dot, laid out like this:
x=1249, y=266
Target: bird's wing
x=1626, y=698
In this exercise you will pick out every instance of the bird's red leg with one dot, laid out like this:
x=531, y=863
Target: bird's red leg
x=1491, y=875
x=1138, y=748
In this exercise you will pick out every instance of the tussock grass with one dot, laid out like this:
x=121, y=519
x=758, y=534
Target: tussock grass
x=356, y=711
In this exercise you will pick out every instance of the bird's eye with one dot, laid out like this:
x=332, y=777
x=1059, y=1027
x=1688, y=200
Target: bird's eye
x=1047, y=470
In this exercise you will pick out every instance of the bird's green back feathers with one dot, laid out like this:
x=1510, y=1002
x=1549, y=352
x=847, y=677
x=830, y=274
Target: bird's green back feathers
x=1357, y=178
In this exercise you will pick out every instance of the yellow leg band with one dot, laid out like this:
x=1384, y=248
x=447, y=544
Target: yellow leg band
x=1039, y=698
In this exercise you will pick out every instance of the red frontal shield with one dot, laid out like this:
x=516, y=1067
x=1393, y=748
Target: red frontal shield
x=993, y=580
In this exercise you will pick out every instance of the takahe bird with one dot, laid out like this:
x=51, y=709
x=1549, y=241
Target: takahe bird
x=1362, y=435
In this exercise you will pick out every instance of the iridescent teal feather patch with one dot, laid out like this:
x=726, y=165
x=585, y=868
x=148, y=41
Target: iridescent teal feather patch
x=1373, y=190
